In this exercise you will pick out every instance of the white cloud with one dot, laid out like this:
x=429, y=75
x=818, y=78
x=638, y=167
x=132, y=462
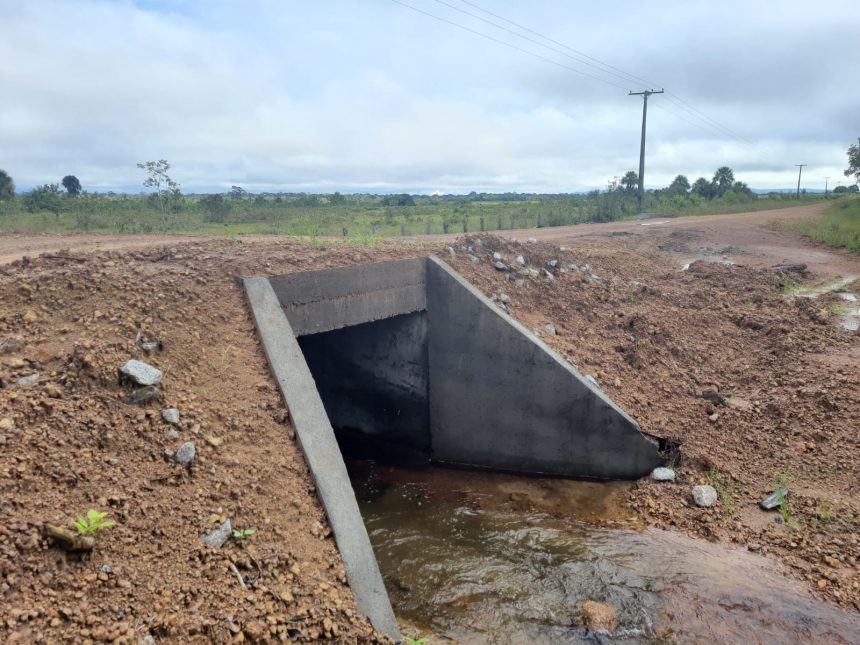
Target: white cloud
x=353, y=95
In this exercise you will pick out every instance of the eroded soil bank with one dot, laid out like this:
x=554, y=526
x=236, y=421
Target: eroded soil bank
x=654, y=337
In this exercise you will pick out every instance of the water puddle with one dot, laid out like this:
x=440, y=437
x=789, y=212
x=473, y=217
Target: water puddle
x=487, y=558
x=849, y=313
x=708, y=258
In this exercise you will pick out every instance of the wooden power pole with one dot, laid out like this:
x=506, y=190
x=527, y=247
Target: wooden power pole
x=799, y=172
x=644, y=96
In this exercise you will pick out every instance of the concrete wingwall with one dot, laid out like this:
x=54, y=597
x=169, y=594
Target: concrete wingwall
x=500, y=398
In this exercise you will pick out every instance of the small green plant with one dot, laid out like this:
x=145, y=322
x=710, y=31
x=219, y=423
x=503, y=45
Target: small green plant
x=240, y=535
x=780, y=480
x=725, y=488
x=224, y=360
x=415, y=641
x=93, y=522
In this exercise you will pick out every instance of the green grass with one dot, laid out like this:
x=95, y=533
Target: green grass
x=367, y=218
x=838, y=226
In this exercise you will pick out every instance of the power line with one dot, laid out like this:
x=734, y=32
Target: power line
x=702, y=121
x=674, y=98
x=507, y=44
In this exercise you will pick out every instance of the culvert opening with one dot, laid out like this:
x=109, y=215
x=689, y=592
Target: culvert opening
x=410, y=358
x=373, y=379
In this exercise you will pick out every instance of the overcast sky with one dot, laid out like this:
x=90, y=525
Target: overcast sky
x=369, y=95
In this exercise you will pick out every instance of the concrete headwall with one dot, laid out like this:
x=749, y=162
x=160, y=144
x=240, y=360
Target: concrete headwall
x=319, y=301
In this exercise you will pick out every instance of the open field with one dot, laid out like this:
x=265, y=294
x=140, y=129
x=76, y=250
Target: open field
x=839, y=225
x=654, y=336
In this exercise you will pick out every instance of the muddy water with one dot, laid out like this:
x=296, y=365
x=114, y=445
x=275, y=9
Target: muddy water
x=487, y=558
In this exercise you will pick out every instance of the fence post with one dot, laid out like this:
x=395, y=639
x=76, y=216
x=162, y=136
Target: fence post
x=427, y=228
x=465, y=225
x=482, y=224
x=444, y=227
x=345, y=231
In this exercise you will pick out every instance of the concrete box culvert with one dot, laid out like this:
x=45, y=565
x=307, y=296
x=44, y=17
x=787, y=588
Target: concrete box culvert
x=412, y=355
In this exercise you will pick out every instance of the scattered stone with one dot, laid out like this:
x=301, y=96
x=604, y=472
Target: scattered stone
x=548, y=274
x=30, y=316
x=713, y=417
x=553, y=263
x=773, y=500
x=218, y=536
x=140, y=373
x=704, y=496
x=143, y=395
x=663, y=474
x=451, y=252
x=594, y=276
x=147, y=347
x=171, y=416
x=714, y=397
x=186, y=454
x=214, y=441
x=521, y=260
x=599, y=617
x=474, y=259
x=562, y=248
x=572, y=266
x=531, y=240
x=532, y=273
x=550, y=328
x=497, y=256
x=106, y=568
x=28, y=380
x=6, y=423
x=501, y=266
x=173, y=435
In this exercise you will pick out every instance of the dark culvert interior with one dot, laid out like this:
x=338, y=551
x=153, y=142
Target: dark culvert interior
x=374, y=381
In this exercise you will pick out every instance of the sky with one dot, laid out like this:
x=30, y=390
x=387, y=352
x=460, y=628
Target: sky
x=374, y=96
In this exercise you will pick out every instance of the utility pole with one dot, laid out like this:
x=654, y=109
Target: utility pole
x=799, y=172
x=825, y=187
x=645, y=94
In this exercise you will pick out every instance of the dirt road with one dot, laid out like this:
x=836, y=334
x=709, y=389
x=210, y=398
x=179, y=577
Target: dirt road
x=750, y=235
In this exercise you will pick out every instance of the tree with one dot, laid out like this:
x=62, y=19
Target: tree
x=44, y=198
x=703, y=188
x=680, y=185
x=237, y=193
x=840, y=189
x=723, y=179
x=166, y=189
x=7, y=186
x=853, y=169
x=630, y=181
x=72, y=185
x=214, y=208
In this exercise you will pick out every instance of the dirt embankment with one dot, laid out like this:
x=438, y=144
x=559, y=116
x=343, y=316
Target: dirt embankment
x=756, y=387
x=69, y=443
x=787, y=381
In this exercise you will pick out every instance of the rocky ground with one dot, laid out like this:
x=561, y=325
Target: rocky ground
x=782, y=385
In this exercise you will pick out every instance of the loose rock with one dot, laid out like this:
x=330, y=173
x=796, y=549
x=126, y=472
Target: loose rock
x=186, y=454
x=171, y=416
x=550, y=328
x=28, y=380
x=663, y=474
x=773, y=500
x=704, y=496
x=599, y=616
x=521, y=260
x=140, y=373
x=501, y=266
x=143, y=395
x=218, y=536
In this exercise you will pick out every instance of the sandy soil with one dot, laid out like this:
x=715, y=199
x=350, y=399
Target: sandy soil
x=655, y=337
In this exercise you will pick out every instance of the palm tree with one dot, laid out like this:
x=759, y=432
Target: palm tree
x=7, y=186
x=723, y=179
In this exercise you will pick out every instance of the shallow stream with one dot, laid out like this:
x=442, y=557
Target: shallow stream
x=477, y=557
